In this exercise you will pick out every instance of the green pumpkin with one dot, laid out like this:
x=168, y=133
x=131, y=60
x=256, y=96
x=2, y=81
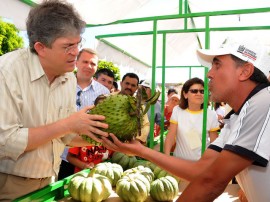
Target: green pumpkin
x=157, y=171
x=133, y=188
x=74, y=185
x=94, y=188
x=150, y=165
x=162, y=173
x=112, y=171
x=124, y=160
x=139, y=163
x=147, y=172
x=164, y=189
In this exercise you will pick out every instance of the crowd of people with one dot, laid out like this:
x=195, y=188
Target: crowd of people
x=47, y=112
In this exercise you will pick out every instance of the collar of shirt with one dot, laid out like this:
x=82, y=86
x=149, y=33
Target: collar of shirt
x=37, y=70
x=258, y=88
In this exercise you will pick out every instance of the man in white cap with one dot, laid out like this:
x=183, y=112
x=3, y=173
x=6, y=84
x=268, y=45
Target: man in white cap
x=238, y=77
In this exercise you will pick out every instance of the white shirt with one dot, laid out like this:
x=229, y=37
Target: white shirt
x=248, y=134
x=189, y=131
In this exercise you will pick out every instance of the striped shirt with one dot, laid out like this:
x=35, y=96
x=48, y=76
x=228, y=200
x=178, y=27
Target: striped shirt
x=87, y=96
x=28, y=100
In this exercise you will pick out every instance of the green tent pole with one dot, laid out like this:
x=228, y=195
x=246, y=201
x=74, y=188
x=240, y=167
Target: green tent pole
x=206, y=96
x=152, y=121
x=163, y=90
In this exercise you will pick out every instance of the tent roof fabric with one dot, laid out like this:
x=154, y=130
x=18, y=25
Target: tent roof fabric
x=180, y=46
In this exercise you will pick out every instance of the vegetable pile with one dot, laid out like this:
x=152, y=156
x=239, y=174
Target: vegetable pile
x=134, y=181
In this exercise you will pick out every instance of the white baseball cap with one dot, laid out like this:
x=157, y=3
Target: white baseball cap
x=249, y=51
x=147, y=83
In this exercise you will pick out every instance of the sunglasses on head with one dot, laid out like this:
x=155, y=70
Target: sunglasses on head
x=195, y=91
x=78, y=101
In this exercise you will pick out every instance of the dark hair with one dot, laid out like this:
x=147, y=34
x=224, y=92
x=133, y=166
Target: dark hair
x=50, y=20
x=100, y=98
x=172, y=90
x=258, y=76
x=115, y=85
x=183, y=101
x=131, y=75
x=104, y=71
x=88, y=50
x=217, y=105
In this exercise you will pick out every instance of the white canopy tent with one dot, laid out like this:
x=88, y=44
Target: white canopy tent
x=130, y=44
x=143, y=35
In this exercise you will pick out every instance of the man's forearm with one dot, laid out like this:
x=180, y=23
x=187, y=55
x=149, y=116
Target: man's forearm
x=43, y=134
x=182, y=168
x=203, y=190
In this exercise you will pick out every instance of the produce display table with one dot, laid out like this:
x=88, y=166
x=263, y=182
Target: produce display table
x=58, y=192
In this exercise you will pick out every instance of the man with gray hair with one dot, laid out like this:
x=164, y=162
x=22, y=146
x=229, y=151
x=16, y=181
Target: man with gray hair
x=37, y=84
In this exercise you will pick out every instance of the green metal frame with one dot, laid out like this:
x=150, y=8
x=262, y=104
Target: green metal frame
x=207, y=30
x=186, y=14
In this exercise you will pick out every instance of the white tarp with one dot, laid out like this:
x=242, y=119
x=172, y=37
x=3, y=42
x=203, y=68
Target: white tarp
x=180, y=47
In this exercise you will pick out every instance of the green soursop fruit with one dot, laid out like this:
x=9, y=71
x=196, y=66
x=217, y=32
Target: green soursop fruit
x=124, y=115
x=120, y=113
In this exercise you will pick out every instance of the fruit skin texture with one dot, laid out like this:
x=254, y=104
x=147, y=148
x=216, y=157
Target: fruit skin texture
x=124, y=115
x=164, y=189
x=112, y=171
x=93, y=188
x=133, y=188
x=120, y=113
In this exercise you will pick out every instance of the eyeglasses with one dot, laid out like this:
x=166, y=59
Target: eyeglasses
x=78, y=101
x=72, y=48
x=195, y=91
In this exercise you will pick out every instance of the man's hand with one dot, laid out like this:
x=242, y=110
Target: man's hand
x=132, y=147
x=87, y=124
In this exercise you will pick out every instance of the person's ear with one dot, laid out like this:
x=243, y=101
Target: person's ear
x=246, y=71
x=40, y=48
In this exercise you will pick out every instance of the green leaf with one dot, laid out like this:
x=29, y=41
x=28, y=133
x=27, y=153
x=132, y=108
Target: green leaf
x=9, y=37
x=109, y=65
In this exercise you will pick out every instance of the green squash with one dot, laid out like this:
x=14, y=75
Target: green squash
x=139, y=163
x=133, y=188
x=164, y=189
x=150, y=165
x=112, y=171
x=157, y=171
x=147, y=172
x=94, y=188
x=74, y=185
x=124, y=160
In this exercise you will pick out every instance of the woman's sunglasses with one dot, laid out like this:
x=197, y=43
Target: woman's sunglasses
x=195, y=91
